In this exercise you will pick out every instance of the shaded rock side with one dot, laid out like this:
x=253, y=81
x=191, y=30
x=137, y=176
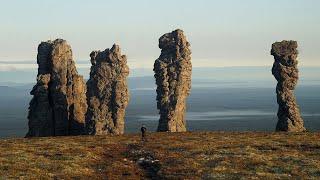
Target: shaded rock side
x=173, y=79
x=286, y=73
x=108, y=93
x=58, y=106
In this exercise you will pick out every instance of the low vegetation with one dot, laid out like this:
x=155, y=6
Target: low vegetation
x=192, y=155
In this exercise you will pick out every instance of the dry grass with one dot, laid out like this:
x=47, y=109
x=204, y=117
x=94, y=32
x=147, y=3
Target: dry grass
x=205, y=155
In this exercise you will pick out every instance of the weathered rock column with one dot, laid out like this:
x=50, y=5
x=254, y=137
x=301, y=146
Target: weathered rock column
x=173, y=78
x=58, y=106
x=286, y=73
x=108, y=93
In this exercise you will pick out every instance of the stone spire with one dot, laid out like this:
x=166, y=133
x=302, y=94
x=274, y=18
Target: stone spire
x=173, y=78
x=108, y=93
x=58, y=105
x=286, y=72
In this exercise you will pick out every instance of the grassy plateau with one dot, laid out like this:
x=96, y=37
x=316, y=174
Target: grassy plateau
x=191, y=155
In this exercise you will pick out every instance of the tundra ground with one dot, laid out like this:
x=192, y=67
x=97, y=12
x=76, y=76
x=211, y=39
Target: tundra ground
x=191, y=155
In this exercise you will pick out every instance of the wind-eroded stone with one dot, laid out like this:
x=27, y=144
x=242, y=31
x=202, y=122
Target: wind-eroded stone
x=286, y=73
x=108, y=93
x=58, y=106
x=173, y=78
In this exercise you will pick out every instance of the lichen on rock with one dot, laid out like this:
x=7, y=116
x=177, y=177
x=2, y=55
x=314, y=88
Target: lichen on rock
x=108, y=93
x=285, y=71
x=173, y=79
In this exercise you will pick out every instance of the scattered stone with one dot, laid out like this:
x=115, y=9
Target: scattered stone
x=108, y=93
x=173, y=78
x=58, y=105
x=285, y=71
x=145, y=159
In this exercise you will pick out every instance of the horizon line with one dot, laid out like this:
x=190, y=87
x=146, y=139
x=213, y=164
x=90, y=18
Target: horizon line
x=81, y=62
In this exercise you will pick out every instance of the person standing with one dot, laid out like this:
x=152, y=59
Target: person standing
x=143, y=132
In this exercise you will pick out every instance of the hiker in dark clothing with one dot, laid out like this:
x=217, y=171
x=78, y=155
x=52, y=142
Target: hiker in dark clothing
x=143, y=133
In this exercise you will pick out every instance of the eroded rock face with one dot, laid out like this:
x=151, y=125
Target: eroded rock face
x=58, y=106
x=173, y=78
x=286, y=73
x=108, y=93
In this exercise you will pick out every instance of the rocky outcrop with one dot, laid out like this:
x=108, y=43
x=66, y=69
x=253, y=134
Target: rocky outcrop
x=286, y=73
x=58, y=106
x=173, y=78
x=108, y=93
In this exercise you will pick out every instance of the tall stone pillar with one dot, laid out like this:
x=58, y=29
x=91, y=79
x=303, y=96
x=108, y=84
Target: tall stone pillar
x=285, y=71
x=108, y=94
x=58, y=106
x=173, y=78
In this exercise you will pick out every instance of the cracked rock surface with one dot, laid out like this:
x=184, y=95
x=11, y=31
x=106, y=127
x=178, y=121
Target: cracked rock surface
x=58, y=106
x=286, y=72
x=108, y=93
x=173, y=79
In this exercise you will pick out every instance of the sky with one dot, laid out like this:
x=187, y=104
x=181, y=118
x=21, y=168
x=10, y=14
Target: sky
x=221, y=33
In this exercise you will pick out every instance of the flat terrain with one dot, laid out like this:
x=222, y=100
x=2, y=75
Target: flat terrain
x=202, y=155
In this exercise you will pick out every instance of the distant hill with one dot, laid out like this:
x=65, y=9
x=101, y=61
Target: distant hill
x=245, y=90
x=12, y=92
x=214, y=74
x=145, y=82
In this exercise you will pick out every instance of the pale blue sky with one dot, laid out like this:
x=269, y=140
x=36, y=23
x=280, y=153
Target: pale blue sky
x=221, y=33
